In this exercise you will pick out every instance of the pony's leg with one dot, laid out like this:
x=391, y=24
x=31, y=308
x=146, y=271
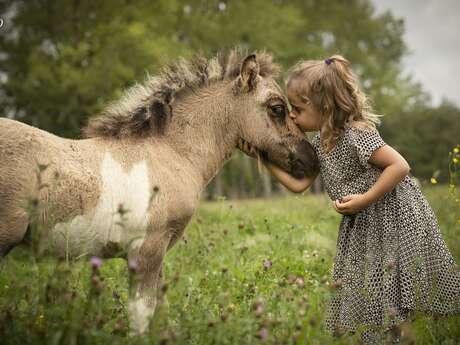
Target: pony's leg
x=13, y=227
x=145, y=265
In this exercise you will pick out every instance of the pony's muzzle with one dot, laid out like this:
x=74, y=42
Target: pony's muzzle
x=304, y=162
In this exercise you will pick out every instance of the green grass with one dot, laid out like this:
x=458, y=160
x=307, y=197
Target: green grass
x=213, y=281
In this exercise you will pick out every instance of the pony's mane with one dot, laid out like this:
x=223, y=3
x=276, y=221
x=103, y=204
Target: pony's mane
x=146, y=108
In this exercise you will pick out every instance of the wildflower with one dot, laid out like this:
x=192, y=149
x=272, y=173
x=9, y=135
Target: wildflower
x=132, y=265
x=455, y=160
x=262, y=334
x=241, y=226
x=258, y=312
x=300, y=282
x=96, y=262
x=456, y=150
x=267, y=264
x=433, y=180
x=257, y=302
x=258, y=307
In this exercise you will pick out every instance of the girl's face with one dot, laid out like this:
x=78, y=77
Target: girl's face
x=303, y=113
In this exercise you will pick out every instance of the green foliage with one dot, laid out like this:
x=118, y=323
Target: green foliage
x=423, y=136
x=63, y=61
x=247, y=272
x=66, y=59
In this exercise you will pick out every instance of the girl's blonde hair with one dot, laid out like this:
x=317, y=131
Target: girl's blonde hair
x=332, y=88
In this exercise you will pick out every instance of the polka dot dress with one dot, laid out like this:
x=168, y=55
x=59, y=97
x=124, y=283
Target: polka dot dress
x=391, y=258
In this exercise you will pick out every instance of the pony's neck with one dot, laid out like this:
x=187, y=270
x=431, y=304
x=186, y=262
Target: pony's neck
x=203, y=130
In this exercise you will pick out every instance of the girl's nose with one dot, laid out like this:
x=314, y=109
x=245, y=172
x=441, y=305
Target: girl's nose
x=291, y=115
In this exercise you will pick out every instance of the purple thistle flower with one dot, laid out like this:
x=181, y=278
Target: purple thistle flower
x=96, y=262
x=267, y=264
x=262, y=334
x=132, y=265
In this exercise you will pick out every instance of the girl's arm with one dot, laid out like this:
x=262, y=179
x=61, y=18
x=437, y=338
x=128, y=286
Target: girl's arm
x=293, y=184
x=395, y=168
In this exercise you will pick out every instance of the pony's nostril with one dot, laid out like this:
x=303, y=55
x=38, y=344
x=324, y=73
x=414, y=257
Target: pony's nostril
x=305, y=161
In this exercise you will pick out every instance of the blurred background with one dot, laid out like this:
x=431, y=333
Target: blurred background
x=63, y=61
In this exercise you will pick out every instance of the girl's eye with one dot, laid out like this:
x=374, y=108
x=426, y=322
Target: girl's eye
x=279, y=110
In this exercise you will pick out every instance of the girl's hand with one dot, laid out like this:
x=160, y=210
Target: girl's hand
x=350, y=204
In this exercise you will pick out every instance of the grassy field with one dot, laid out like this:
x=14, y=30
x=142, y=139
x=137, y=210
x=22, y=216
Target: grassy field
x=246, y=272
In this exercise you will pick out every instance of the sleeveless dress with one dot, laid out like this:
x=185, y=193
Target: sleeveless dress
x=391, y=258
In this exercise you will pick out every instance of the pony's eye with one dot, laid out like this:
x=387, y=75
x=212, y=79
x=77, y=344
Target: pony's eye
x=278, y=110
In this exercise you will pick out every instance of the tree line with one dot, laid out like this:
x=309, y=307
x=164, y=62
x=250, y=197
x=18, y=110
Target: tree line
x=63, y=61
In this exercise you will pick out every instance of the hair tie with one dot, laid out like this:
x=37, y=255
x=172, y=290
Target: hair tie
x=328, y=61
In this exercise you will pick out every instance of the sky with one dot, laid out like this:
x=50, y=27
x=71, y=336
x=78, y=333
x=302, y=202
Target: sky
x=433, y=38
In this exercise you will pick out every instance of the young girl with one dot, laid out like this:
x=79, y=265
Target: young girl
x=391, y=258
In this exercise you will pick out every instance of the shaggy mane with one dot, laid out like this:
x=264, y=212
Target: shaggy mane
x=145, y=108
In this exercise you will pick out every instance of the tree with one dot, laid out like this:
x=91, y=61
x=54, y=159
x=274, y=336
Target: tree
x=424, y=136
x=62, y=61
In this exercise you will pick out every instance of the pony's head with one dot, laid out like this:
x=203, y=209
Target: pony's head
x=244, y=84
x=264, y=121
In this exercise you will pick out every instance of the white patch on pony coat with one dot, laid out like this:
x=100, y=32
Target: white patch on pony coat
x=88, y=233
x=140, y=313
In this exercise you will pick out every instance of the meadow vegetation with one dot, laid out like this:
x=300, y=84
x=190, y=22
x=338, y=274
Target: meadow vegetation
x=246, y=272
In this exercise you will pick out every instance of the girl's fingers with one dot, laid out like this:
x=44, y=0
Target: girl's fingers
x=341, y=206
x=346, y=198
x=336, y=206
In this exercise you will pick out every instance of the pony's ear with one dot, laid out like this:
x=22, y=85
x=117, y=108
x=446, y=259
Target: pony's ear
x=160, y=112
x=249, y=72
